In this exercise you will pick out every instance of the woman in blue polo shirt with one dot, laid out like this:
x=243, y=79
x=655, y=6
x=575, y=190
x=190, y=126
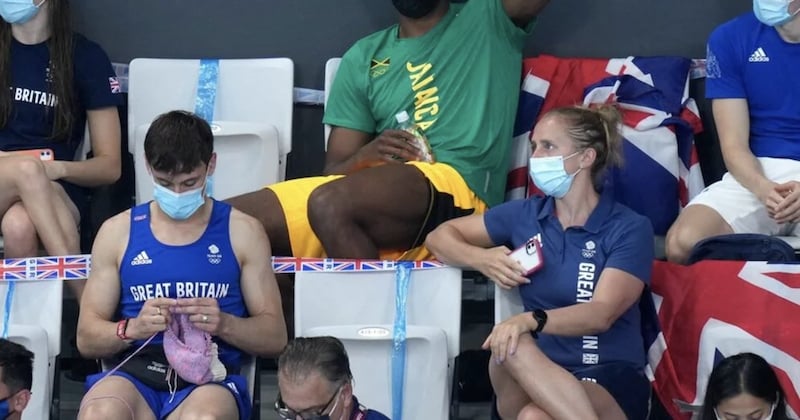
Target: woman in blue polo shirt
x=577, y=352
x=52, y=82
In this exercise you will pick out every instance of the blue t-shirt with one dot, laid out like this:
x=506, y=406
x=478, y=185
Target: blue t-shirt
x=30, y=123
x=362, y=413
x=614, y=236
x=205, y=268
x=747, y=59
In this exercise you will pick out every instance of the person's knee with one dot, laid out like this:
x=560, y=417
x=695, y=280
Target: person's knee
x=18, y=230
x=30, y=172
x=327, y=204
x=680, y=240
x=102, y=409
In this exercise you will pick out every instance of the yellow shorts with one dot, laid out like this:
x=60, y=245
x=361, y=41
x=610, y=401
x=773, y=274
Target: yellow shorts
x=447, y=187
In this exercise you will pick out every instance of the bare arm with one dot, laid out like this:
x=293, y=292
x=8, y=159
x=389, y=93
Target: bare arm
x=97, y=334
x=352, y=150
x=104, y=167
x=263, y=333
x=616, y=291
x=460, y=242
x=465, y=242
x=343, y=146
x=732, y=119
x=523, y=11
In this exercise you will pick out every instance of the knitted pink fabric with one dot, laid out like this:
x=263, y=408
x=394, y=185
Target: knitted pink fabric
x=189, y=350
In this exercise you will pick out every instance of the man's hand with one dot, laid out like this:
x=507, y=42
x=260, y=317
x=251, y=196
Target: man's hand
x=769, y=196
x=153, y=318
x=788, y=208
x=391, y=146
x=502, y=269
x=204, y=314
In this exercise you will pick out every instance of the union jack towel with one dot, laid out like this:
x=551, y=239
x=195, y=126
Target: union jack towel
x=715, y=309
x=661, y=171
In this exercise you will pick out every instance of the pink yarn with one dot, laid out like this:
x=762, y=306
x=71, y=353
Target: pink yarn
x=188, y=350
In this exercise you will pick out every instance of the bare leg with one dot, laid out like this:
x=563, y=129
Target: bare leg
x=24, y=179
x=695, y=223
x=548, y=386
x=377, y=208
x=22, y=240
x=114, y=398
x=265, y=207
x=210, y=401
x=19, y=234
x=69, y=219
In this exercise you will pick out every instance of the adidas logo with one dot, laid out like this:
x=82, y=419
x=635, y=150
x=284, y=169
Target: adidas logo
x=141, y=259
x=758, y=56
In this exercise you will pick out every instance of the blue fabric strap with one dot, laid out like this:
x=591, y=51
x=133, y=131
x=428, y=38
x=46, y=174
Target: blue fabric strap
x=207, y=89
x=7, y=309
x=402, y=276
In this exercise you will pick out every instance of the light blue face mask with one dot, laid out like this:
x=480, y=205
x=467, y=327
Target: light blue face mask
x=210, y=186
x=179, y=206
x=18, y=11
x=549, y=175
x=773, y=12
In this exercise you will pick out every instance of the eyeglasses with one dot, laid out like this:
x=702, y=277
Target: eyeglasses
x=287, y=413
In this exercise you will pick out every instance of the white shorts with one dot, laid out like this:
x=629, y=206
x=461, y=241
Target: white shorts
x=741, y=209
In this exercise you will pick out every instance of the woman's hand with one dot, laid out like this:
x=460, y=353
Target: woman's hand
x=504, y=337
x=502, y=269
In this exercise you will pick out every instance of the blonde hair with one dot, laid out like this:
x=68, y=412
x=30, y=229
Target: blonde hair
x=594, y=128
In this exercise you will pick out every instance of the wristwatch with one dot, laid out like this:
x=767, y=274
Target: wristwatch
x=122, y=327
x=541, y=319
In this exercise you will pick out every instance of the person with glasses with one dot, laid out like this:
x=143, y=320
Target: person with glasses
x=744, y=387
x=16, y=378
x=315, y=382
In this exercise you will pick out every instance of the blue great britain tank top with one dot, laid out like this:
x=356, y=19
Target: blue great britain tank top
x=206, y=268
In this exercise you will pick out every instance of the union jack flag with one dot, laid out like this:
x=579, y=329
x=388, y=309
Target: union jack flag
x=715, y=309
x=67, y=268
x=286, y=264
x=294, y=264
x=659, y=120
x=15, y=269
x=113, y=83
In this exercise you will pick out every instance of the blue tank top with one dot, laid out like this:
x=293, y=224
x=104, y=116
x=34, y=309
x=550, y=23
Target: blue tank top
x=205, y=268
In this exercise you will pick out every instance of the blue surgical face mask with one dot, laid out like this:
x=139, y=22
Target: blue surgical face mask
x=18, y=11
x=179, y=206
x=5, y=409
x=549, y=175
x=773, y=12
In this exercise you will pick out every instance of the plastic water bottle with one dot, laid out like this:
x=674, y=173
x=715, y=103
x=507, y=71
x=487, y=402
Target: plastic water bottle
x=420, y=141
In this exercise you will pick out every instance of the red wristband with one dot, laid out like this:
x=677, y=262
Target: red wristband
x=122, y=327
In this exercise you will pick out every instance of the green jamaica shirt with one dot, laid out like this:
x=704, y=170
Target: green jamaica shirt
x=459, y=82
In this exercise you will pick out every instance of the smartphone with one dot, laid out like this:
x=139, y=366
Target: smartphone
x=42, y=154
x=529, y=256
